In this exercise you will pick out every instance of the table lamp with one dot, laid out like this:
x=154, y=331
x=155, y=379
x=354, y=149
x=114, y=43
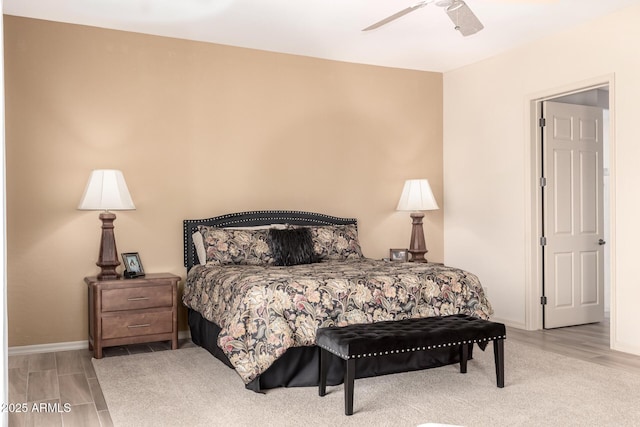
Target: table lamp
x=416, y=197
x=107, y=191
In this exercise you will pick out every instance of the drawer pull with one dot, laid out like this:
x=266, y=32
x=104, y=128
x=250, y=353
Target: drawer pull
x=144, y=325
x=138, y=299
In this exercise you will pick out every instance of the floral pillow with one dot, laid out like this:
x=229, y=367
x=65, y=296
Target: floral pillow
x=338, y=242
x=225, y=246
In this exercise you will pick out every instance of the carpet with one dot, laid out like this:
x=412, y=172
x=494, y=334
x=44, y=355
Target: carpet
x=191, y=387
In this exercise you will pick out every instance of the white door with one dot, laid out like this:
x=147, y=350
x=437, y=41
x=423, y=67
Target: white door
x=573, y=215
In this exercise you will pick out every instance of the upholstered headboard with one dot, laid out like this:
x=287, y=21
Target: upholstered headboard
x=252, y=219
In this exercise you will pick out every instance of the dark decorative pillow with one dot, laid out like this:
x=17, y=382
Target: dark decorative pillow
x=292, y=246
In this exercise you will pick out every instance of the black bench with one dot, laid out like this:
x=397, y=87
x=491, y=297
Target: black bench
x=383, y=338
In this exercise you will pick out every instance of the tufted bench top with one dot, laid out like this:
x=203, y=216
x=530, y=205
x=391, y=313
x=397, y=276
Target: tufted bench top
x=399, y=336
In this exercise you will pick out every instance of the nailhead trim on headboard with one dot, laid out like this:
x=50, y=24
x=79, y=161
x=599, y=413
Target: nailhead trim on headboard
x=252, y=218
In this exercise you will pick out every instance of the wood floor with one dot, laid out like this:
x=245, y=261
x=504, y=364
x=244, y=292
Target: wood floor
x=585, y=342
x=68, y=377
x=61, y=388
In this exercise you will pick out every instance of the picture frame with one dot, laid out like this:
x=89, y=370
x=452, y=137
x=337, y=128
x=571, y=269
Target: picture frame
x=398, y=255
x=132, y=265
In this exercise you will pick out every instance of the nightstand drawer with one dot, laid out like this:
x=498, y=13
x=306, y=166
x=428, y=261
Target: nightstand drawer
x=137, y=298
x=130, y=325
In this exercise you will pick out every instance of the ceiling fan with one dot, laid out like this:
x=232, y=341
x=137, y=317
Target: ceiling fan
x=463, y=18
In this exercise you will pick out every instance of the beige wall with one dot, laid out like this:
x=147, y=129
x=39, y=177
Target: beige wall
x=487, y=163
x=198, y=130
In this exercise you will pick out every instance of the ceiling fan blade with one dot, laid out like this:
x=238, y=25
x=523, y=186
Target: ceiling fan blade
x=463, y=18
x=397, y=15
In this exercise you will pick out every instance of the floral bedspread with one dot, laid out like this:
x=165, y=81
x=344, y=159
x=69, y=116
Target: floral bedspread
x=264, y=310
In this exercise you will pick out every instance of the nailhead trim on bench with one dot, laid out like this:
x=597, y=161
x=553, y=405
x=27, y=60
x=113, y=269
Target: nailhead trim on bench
x=408, y=350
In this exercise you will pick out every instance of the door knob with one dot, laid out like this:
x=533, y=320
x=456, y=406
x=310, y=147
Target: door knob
x=601, y=242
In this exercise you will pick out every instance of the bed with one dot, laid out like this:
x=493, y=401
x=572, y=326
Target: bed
x=259, y=284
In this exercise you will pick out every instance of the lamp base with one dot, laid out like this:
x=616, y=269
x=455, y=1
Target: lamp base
x=108, y=258
x=418, y=256
x=417, y=248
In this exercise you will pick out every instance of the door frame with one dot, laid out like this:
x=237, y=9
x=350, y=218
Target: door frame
x=533, y=196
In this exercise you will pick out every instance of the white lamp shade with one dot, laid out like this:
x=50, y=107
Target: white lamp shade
x=106, y=190
x=417, y=196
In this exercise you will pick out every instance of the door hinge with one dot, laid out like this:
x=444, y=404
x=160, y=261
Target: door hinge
x=542, y=122
x=543, y=300
x=543, y=241
x=543, y=181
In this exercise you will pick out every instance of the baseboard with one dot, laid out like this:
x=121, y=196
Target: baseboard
x=509, y=323
x=48, y=348
x=65, y=346
x=618, y=346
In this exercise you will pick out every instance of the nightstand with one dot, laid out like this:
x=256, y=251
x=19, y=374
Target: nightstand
x=132, y=311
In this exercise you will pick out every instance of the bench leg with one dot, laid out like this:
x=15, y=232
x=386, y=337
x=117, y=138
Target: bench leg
x=324, y=366
x=498, y=352
x=349, y=376
x=464, y=356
